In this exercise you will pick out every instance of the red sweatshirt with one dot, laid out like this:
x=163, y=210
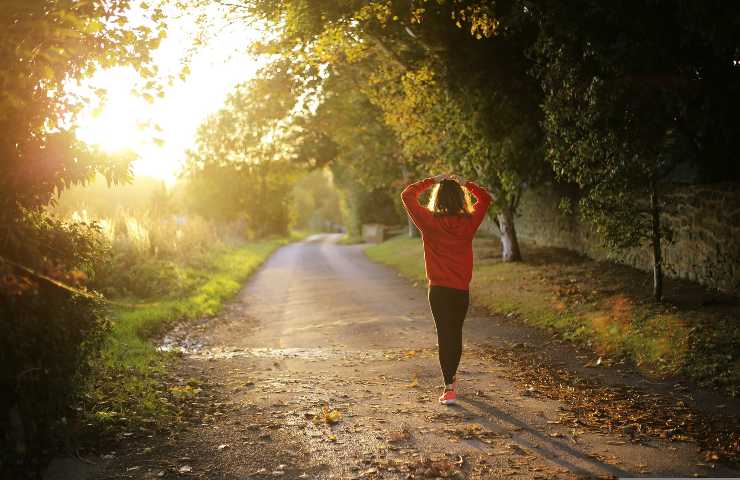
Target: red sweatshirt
x=448, y=239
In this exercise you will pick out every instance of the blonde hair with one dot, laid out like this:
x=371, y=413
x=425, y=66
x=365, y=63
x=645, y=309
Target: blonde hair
x=450, y=198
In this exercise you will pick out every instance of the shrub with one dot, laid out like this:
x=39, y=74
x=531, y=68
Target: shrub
x=49, y=333
x=157, y=256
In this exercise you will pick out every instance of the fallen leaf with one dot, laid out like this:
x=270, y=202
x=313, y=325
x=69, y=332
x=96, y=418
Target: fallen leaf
x=329, y=416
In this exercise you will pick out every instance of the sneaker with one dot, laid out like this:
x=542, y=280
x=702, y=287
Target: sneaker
x=449, y=397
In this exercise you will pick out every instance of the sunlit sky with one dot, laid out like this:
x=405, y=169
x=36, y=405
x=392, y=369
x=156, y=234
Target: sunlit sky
x=127, y=121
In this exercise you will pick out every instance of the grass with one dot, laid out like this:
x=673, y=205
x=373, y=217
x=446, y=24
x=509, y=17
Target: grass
x=128, y=386
x=605, y=306
x=348, y=239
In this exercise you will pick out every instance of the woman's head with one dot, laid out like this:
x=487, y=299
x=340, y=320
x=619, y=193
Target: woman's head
x=450, y=198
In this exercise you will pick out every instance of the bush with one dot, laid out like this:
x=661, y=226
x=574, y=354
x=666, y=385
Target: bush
x=158, y=256
x=49, y=334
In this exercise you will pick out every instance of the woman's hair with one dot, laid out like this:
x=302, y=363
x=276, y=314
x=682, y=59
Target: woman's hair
x=450, y=198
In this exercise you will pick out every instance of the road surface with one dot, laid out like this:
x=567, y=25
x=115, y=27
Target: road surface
x=325, y=366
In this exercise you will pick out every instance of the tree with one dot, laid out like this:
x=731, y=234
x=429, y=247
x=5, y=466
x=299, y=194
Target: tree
x=640, y=88
x=326, y=120
x=316, y=202
x=43, y=47
x=240, y=169
x=365, y=158
x=454, y=101
x=49, y=332
x=471, y=102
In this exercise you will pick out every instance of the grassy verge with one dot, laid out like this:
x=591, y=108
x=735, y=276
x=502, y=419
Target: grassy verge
x=129, y=385
x=350, y=239
x=605, y=306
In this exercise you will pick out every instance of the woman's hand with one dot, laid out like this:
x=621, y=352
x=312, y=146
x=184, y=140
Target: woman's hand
x=440, y=178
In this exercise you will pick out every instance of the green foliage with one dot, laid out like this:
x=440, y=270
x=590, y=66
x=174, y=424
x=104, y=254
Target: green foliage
x=146, y=278
x=149, y=237
x=126, y=388
x=257, y=195
x=49, y=336
x=316, y=203
x=149, y=253
x=364, y=205
x=403, y=91
x=365, y=156
x=463, y=104
x=240, y=170
x=631, y=97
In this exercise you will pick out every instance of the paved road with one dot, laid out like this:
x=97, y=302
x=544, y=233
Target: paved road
x=320, y=326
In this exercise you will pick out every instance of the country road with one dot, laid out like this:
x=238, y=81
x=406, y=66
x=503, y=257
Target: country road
x=320, y=326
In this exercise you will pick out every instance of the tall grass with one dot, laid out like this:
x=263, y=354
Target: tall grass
x=169, y=236
x=157, y=255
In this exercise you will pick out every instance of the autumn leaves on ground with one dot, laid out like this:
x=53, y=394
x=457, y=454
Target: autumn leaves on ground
x=324, y=366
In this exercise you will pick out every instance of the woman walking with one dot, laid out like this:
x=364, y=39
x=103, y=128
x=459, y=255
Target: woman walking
x=447, y=227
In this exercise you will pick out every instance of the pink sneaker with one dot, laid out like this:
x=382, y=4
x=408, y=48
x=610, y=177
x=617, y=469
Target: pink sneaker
x=449, y=397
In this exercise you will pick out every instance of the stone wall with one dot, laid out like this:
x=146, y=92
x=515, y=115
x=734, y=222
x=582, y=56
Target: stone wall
x=705, y=220
x=374, y=232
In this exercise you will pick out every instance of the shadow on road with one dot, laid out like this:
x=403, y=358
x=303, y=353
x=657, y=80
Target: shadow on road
x=553, y=450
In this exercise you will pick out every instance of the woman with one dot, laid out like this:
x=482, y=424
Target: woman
x=447, y=228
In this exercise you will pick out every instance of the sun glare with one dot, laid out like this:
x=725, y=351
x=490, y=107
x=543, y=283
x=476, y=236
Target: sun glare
x=120, y=122
x=162, y=131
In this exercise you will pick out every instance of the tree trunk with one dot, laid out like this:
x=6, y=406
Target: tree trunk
x=657, y=256
x=413, y=231
x=509, y=243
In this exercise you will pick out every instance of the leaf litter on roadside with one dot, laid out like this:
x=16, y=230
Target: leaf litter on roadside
x=628, y=410
x=400, y=436
x=417, y=468
x=472, y=431
x=444, y=468
x=328, y=416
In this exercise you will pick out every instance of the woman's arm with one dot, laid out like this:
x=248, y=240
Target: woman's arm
x=483, y=201
x=410, y=197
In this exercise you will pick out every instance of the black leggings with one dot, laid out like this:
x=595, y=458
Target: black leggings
x=449, y=307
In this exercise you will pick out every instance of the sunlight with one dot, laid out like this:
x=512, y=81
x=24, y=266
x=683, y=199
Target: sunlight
x=120, y=121
x=160, y=132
